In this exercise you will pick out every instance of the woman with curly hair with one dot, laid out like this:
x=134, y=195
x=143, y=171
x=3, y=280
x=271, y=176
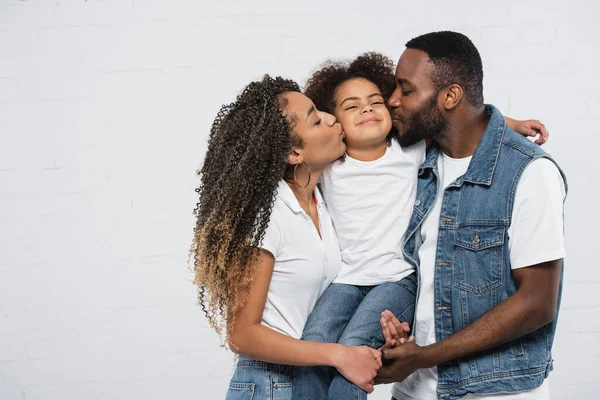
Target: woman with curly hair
x=370, y=196
x=264, y=247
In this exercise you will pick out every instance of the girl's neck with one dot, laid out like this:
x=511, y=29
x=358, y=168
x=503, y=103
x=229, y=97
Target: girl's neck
x=368, y=153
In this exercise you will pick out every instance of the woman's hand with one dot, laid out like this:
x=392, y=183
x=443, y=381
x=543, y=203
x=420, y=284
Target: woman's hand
x=358, y=364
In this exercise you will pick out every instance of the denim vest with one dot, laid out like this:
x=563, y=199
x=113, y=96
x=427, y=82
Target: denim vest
x=473, y=272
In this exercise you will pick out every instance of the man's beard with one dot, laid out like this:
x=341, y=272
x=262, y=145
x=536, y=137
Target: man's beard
x=426, y=122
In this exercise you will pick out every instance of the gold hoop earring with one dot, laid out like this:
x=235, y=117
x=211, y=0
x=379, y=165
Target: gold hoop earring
x=296, y=180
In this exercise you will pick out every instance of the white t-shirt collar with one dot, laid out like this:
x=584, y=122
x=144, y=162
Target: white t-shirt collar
x=289, y=198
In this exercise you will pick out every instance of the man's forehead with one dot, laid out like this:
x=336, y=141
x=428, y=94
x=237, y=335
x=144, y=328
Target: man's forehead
x=413, y=63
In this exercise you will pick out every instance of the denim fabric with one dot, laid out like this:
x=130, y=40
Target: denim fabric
x=257, y=380
x=473, y=272
x=350, y=315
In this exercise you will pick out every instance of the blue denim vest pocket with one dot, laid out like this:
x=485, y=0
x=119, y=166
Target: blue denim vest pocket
x=478, y=257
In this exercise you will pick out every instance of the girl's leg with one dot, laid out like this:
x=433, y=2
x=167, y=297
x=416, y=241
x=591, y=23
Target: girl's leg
x=364, y=327
x=325, y=324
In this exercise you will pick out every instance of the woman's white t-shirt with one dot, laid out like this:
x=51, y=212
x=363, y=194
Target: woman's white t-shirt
x=305, y=264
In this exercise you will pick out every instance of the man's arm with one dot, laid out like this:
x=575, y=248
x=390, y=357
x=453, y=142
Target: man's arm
x=532, y=306
x=536, y=247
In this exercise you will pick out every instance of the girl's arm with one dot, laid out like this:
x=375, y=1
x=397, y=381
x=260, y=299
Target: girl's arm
x=252, y=339
x=530, y=127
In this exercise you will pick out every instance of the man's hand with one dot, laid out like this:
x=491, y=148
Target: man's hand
x=400, y=362
x=532, y=306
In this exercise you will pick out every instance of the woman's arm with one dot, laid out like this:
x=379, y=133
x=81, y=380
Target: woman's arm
x=530, y=127
x=254, y=340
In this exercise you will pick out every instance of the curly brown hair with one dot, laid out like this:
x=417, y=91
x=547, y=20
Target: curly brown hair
x=322, y=86
x=247, y=154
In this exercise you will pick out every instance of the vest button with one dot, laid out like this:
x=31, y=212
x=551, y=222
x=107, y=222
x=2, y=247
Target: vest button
x=417, y=203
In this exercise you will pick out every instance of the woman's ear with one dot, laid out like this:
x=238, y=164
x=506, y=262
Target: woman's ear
x=295, y=156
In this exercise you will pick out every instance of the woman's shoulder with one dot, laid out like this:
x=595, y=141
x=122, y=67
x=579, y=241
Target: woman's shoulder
x=284, y=202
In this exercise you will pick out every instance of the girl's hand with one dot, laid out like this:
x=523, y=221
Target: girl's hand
x=532, y=127
x=394, y=331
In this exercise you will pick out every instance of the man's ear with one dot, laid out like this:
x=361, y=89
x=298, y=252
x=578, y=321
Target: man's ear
x=452, y=96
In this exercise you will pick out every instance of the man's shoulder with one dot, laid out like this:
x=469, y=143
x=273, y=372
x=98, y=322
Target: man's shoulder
x=533, y=153
x=543, y=175
x=518, y=142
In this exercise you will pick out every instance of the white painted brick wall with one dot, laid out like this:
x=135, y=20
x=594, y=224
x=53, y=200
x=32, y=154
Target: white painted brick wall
x=105, y=108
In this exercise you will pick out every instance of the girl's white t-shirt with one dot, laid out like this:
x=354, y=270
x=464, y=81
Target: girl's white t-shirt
x=370, y=204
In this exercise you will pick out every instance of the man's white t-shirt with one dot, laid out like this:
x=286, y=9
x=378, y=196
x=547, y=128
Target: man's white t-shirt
x=305, y=263
x=535, y=236
x=370, y=203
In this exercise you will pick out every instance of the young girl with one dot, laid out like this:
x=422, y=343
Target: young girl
x=369, y=195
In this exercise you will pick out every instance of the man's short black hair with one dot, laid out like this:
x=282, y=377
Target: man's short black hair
x=455, y=59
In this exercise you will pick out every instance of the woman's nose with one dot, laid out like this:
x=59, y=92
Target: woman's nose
x=329, y=119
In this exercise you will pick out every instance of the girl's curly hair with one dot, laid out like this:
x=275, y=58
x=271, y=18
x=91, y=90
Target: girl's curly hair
x=322, y=86
x=247, y=154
